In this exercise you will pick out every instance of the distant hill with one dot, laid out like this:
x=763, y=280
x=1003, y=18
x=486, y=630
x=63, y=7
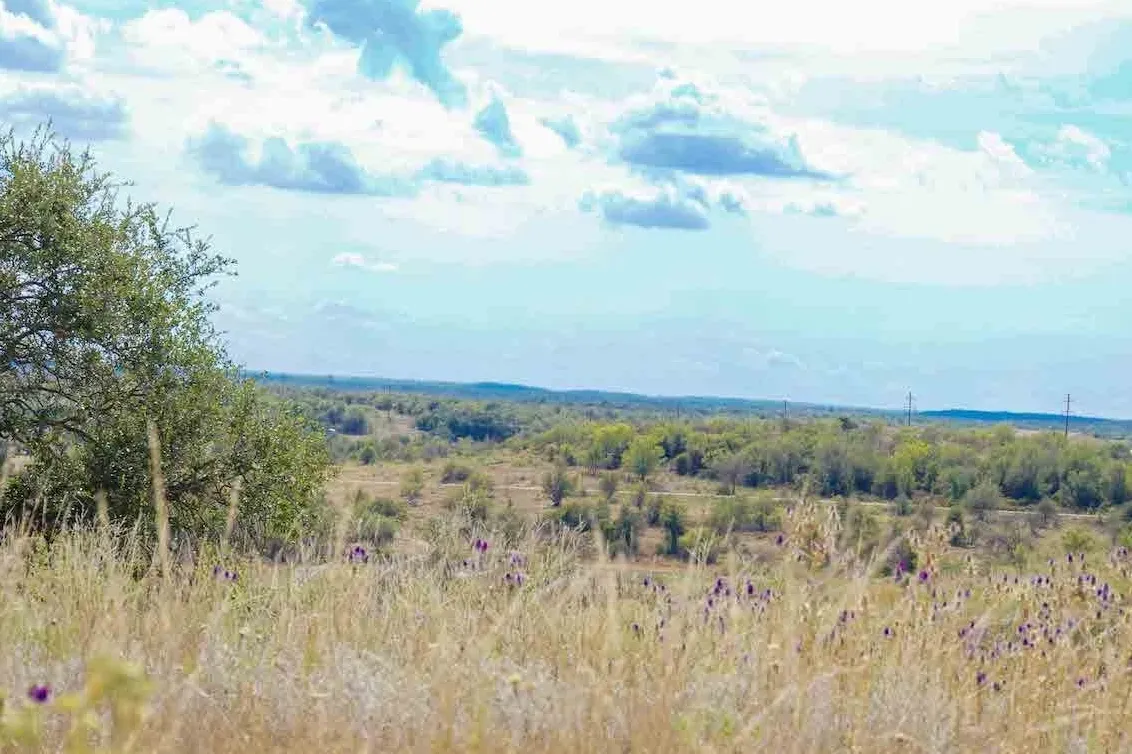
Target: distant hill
x=501, y=391
x=510, y=392
x=1094, y=425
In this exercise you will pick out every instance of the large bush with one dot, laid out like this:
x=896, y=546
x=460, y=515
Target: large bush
x=104, y=329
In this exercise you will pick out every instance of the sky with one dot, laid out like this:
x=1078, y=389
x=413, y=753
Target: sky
x=812, y=201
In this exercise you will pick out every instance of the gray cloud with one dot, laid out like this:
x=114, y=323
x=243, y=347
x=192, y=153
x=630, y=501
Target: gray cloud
x=329, y=167
x=447, y=171
x=74, y=114
x=493, y=123
x=25, y=52
x=396, y=32
x=318, y=167
x=566, y=128
x=674, y=202
x=678, y=206
x=660, y=211
x=688, y=132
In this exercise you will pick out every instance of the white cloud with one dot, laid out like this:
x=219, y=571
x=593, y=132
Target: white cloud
x=350, y=259
x=986, y=27
x=916, y=188
x=1075, y=146
x=265, y=76
x=1001, y=152
x=169, y=41
x=888, y=184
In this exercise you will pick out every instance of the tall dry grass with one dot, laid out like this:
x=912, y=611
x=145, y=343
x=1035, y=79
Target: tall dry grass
x=536, y=649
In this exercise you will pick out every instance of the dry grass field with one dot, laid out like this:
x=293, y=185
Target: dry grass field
x=537, y=649
x=461, y=637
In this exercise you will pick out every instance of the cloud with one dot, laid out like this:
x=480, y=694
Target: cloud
x=330, y=167
x=661, y=210
x=349, y=259
x=314, y=166
x=75, y=112
x=686, y=128
x=999, y=150
x=1076, y=147
x=566, y=127
x=396, y=32
x=820, y=208
x=674, y=205
x=494, y=125
x=450, y=171
x=28, y=37
x=170, y=41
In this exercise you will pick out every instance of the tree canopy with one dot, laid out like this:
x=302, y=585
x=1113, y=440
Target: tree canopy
x=104, y=327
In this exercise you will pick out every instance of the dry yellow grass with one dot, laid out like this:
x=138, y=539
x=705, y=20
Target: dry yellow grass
x=452, y=652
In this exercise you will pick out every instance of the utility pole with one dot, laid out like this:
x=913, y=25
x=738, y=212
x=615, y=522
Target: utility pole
x=785, y=414
x=909, y=408
x=1067, y=415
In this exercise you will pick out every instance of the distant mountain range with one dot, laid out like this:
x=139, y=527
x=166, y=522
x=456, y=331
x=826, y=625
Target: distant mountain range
x=499, y=391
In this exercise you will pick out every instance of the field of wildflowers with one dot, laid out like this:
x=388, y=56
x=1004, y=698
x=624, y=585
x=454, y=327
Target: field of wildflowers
x=536, y=644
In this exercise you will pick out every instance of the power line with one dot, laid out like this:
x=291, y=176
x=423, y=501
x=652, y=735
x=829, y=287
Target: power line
x=1067, y=400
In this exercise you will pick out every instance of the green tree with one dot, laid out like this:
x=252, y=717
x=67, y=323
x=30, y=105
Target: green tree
x=642, y=457
x=730, y=470
x=104, y=328
x=674, y=521
x=982, y=499
x=594, y=458
x=608, y=485
x=556, y=485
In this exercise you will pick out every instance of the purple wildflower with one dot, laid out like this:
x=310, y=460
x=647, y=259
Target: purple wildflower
x=358, y=555
x=980, y=677
x=40, y=693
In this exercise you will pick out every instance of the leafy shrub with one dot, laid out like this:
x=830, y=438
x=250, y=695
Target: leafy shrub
x=453, y=472
x=743, y=514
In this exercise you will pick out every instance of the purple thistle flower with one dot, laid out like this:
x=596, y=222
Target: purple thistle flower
x=358, y=555
x=779, y=540
x=924, y=576
x=980, y=678
x=887, y=632
x=40, y=693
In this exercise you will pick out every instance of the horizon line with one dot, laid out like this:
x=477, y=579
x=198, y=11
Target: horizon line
x=684, y=397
